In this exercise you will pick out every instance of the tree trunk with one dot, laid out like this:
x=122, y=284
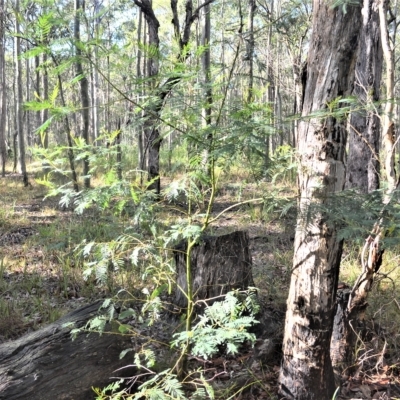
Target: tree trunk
x=218, y=264
x=48, y=365
x=38, y=116
x=141, y=152
x=19, y=113
x=3, y=98
x=151, y=130
x=364, y=135
x=84, y=86
x=208, y=97
x=307, y=371
x=45, y=78
x=362, y=171
x=388, y=132
x=95, y=75
x=250, y=50
x=70, y=150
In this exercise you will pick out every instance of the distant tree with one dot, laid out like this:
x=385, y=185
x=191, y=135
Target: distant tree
x=3, y=91
x=160, y=92
x=84, y=85
x=205, y=39
x=19, y=97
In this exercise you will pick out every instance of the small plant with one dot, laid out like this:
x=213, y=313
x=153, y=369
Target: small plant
x=224, y=325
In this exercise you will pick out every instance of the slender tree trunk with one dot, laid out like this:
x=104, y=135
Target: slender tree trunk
x=119, y=151
x=3, y=94
x=45, y=115
x=38, y=116
x=28, y=91
x=250, y=50
x=67, y=128
x=208, y=98
x=269, y=91
x=19, y=112
x=95, y=99
x=141, y=152
x=388, y=133
x=84, y=85
x=307, y=372
x=151, y=130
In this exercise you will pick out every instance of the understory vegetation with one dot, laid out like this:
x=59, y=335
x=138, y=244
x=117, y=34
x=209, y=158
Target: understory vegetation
x=201, y=172
x=115, y=242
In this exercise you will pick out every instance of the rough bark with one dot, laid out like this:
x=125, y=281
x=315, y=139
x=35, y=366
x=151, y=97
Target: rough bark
x=218, y=264
x=307, y=371
x=48, y=365
x=364, y=133
x=362, y=174
x=351, y=304
x=388, y=131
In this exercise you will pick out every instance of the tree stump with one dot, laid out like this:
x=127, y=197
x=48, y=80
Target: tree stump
x=218, y=264
x=48, y=365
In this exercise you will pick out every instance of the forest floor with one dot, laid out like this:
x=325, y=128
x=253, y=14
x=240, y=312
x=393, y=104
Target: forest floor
x=41, y=279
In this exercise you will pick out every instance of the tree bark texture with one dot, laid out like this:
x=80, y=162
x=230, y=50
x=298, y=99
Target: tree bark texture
x=307, y=371
x=48, y=365
x=362, y=174
x=388, y=131
x=218, y=264
x=364, y=133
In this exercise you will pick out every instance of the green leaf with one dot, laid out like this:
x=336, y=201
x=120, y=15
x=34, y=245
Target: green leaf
x=127, y=314
x=124, y=353
x=124, y=328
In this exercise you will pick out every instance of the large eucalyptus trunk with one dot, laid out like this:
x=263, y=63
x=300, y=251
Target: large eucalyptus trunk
x=307, y=371
x=362, y=170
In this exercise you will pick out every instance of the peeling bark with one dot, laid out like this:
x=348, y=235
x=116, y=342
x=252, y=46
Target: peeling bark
x=362, y=174
x=307, y=371
x=364, y=134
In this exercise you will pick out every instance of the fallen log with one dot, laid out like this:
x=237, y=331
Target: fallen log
x=47, y=364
